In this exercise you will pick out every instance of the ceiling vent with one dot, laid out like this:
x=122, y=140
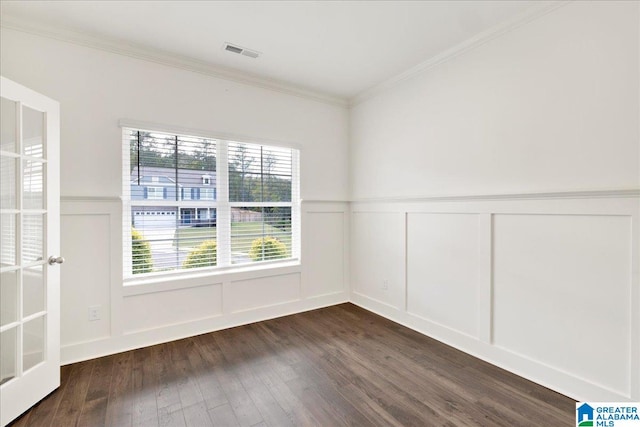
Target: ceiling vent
x=240, y=50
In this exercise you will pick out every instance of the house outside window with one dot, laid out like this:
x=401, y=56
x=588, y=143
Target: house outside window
x=193, y=202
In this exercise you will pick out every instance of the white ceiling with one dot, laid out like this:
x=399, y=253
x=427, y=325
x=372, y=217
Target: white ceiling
x=335, y=48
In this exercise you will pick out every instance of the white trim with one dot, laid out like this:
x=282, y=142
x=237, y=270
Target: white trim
x=459, y=49
x=77, y=352
x=162, y=57
x=598, y=194
x=579, y=194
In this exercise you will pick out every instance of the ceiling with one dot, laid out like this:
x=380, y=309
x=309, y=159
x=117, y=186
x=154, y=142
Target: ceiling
x=338, y=49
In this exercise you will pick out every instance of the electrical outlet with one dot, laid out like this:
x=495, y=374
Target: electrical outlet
x=94, y=313
x=385, y=285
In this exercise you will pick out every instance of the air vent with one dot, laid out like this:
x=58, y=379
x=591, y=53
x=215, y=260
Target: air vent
x=240, y=50
x=232, y=48
x=250, y=53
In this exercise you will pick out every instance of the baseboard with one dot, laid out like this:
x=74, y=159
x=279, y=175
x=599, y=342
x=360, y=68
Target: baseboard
x=91, y=349
x=554, y=379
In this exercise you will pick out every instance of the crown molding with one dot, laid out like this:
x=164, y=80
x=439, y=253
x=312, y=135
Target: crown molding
x=459, y=49
x=165, y=58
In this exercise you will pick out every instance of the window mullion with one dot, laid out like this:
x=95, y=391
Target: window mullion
x=262, y=199
x=223, y=220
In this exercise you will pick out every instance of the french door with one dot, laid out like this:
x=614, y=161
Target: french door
x=29, y=245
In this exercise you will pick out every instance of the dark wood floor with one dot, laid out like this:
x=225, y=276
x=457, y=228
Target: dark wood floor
x=335, y=366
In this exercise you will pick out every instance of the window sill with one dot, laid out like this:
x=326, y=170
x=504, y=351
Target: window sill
x=184, y=280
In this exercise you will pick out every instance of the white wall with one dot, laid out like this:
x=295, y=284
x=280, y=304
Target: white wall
x=546, y=285
x=96, y=89
x=550, y=106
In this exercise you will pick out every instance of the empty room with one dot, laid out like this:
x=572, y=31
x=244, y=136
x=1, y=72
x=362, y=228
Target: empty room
x=323, y=213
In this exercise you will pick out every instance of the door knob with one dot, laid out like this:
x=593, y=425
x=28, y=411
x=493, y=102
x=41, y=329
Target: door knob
x=55, y=260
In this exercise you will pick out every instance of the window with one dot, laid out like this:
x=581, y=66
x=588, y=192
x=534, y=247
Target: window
x=187, y=193
x=260, y=198
x=207, y=194
x=155, y=193
x=193, y=202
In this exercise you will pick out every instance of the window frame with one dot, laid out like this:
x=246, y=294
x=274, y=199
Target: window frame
x=220, y=203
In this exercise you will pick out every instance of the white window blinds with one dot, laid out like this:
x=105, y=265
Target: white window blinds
x=192, y=202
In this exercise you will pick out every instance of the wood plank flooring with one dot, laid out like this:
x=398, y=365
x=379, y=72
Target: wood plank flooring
x=335, y=366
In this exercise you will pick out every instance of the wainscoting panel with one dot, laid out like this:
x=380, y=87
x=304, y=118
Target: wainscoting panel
x=443, y=268
x=562, y=293
x=85, y=239
x=546, y=286
x=263, y=292
x=324, y=246
x=162, y=309
x=158, y=309
x=552, y=279
x=378, y=249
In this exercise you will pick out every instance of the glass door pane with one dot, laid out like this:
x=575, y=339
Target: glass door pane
x=33, y=290
x=32, y=238
x=9, y=122
x=9, y=355
x=33, y=184
x=33, y=343
x=8, y=238
x=8, y=167
x=8, y=297
x=32, y=132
